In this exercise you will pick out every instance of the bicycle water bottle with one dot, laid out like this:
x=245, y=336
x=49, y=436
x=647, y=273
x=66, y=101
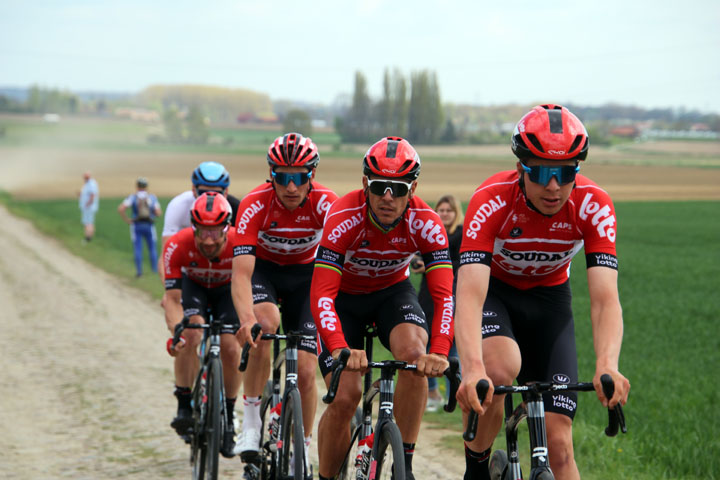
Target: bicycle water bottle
x=362, y=461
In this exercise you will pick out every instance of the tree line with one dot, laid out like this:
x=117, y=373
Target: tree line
x=412, y=110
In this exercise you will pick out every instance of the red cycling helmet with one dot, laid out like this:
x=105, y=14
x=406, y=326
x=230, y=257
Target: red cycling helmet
x=392, y=157
x=211, y=209
x=293, y=150
x=550, y=132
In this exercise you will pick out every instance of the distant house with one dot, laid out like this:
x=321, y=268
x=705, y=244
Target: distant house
x=625, y=131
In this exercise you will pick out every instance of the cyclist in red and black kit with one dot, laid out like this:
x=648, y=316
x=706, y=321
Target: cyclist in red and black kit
x=197, y=263
x=361, y=277
x=514, y=316
x=278, y=228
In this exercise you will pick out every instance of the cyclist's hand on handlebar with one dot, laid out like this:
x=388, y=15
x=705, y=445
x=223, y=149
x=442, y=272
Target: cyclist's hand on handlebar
x=467, y=396
x=622, y=387
x=244, y=334
x=174, y=350
x=356, y=363
x=432, y=365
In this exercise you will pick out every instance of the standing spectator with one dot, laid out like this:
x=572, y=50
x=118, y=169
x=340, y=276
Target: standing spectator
x=145, y=209
x=89, y=200
x=449, y=209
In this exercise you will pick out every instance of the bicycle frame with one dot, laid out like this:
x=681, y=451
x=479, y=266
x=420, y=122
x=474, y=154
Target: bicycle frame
x=533, y=409
x=386, y=390
x=273, y=449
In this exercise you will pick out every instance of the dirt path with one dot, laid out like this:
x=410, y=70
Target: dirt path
x=87, y=384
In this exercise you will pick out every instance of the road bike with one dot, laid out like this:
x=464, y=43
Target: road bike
x=377, y=453
x=281, y=452
x=505, y=465
x=210, y=418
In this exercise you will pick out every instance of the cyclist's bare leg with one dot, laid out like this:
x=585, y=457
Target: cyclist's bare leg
x=502, y=359
x=307, y=366
x=560, y=446
x=334, y=425
x=186, y=361
x=408, y=343
x=258, y=369
x=230, y=356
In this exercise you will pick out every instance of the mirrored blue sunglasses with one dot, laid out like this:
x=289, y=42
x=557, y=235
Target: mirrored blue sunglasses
x=542, y=173
x=284, y=179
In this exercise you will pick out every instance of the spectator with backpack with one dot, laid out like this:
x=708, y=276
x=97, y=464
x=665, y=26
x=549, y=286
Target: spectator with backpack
x=145, y=208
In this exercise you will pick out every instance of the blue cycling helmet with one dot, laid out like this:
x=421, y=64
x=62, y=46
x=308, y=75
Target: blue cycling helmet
x=211, y=174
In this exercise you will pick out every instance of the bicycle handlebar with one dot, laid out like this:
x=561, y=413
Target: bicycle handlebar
x=254, y=332
x=452, y=373
x=179, y=329
x=616, y=417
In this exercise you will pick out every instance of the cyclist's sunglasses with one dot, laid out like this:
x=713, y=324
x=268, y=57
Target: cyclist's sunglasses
x=542, y=174
x=284, y=179
x=213, y=233
x=397, y=189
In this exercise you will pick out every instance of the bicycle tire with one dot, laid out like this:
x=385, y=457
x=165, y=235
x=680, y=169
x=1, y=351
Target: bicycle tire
x=266, y=460
x=498, y=465
x=347, y=470
x=198, y=441
x=291, y=457
x=389, y=436
x=214, y=426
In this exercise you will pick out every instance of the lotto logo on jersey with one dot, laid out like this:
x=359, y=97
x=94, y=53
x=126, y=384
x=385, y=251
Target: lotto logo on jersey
x=247, y=215
x=328, y=319
x=322, y=205
x=482, y=214
x=429, y=230
x=602, y=217
x=344, y=226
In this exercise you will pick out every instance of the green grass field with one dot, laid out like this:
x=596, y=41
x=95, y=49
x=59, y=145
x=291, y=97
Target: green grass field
x=669, y=282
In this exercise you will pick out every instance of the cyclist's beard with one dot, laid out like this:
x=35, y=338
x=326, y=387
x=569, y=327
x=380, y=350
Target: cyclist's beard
x=211, y=252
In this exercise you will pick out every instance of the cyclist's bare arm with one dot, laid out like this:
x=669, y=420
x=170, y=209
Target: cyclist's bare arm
x=607, y=323
x=173, y=313
x=472, y=287
x=241, y=288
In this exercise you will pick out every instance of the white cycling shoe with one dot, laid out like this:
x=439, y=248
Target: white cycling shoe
x=248, y=444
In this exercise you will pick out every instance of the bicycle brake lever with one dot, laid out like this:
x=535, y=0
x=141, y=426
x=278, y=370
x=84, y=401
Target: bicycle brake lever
x=179, y=327
x=616, y=417
x=338, y=366
x=453, y=375
x=481, y=388
x=254, y=332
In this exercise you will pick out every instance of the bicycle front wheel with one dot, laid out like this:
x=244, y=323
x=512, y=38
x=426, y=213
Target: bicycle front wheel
x=347, y=470
x=389, y=461
x=214, y=427
x=292, y=454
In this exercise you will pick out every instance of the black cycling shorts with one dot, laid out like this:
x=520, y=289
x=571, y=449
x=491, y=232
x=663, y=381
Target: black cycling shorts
x=196, y=299
x=287, y=286
x=385, y=308
x=540, y=320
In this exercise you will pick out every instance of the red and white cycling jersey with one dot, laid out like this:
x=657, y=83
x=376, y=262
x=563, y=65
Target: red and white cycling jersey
x=181, y=256
x=268, y=230
x=529, y=249
x=358, y=256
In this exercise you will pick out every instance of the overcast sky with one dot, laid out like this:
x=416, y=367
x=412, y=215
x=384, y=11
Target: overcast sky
x=649, y=54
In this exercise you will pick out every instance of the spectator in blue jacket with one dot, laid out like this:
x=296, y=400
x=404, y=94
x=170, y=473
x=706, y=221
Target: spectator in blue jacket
x=144, y=208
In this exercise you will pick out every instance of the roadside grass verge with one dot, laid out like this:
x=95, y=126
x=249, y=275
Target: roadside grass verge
x=669, y=255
